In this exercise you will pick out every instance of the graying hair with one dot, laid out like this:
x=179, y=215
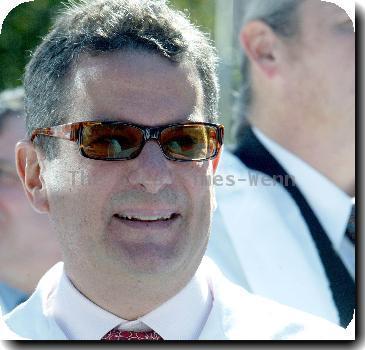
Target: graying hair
x=282, y=17
x=11, y=104
x=98, y=26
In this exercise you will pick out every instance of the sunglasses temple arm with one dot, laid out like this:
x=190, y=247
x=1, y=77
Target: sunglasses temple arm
x=221, y=134
x=65, y=131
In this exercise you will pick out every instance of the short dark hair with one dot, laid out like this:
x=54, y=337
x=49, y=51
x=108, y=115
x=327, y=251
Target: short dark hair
x=97, y=26
x=282, y=17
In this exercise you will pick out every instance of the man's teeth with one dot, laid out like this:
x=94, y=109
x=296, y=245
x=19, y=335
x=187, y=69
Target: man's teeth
x=145, y=217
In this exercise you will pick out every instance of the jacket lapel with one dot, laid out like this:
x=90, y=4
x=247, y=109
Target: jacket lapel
x=268, y=252
x=254, y=155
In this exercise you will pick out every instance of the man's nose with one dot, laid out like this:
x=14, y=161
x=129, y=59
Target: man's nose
x=151, y=169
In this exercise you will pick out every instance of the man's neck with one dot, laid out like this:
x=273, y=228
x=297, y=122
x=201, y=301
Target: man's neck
x=325, y=152
x=129, y=298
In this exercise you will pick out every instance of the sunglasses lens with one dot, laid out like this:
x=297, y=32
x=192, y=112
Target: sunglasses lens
x=190, y=142
x=108, y=141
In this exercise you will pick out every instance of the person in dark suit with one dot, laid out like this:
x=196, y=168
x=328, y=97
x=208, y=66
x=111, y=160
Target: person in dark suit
x=292, y=239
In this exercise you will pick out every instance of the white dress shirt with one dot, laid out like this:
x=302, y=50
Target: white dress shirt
x=223, y=310
x=331, y=205
x=180, y=318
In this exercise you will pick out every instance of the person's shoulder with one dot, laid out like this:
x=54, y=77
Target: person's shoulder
x=247, y=316
x=7, y=334
x=32, y=319
x=24, y=320
x=286, y=323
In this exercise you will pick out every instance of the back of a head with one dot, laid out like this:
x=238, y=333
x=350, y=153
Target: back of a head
x=96, y=27
x=281, y=16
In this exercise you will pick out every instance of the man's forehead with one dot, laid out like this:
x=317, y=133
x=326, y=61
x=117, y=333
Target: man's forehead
x=321, y=11
x=334, y=9
x=129, y=82
x=346, y=5
x=128, y=62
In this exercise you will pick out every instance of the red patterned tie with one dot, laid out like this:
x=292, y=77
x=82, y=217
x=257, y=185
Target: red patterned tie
x=120, y=335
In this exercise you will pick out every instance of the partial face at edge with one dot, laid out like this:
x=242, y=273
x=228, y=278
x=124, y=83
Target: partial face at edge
x=27, y=245
x=91, y=201
x=321, y=68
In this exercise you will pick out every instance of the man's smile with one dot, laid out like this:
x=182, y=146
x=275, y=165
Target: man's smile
x=147, y=218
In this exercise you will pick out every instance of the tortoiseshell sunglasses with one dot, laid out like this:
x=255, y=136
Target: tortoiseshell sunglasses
x=105, y=140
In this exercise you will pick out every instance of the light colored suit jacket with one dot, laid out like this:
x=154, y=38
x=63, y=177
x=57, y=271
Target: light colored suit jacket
x=260, y=240
x=235, y=315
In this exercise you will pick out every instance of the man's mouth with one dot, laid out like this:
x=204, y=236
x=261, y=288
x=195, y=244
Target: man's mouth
x=147, y=218
x=148, y=227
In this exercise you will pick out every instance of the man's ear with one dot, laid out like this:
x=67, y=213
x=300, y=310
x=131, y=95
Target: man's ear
x=29, y=171
x=260, y=44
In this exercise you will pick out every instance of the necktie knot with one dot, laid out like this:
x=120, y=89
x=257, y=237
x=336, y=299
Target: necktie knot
x=120, y=335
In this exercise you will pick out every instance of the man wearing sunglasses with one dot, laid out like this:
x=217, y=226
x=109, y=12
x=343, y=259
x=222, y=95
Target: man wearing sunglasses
x=123, y=142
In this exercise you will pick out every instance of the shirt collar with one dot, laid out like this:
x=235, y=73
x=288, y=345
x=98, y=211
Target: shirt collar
x=183, y=316
x=331, y=205
x=180, y=318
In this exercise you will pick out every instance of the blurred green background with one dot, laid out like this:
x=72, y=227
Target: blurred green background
x=26, y=24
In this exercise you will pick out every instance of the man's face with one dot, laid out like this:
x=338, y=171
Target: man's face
x=322, y=68
x=23, y=233
x=140, y=217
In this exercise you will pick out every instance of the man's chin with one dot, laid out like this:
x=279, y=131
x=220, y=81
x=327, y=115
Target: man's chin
x=148, y=259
